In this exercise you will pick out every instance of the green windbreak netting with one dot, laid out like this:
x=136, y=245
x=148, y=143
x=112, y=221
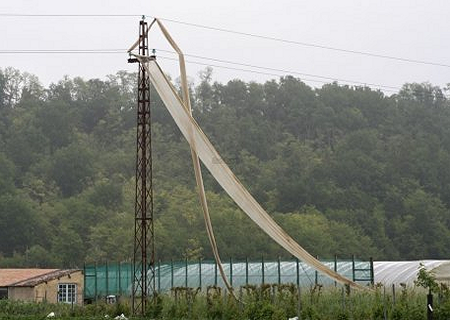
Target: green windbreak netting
x=106, y=279
x=103, y=280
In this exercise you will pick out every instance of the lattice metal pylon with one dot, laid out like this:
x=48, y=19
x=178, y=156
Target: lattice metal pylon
x=144, y=244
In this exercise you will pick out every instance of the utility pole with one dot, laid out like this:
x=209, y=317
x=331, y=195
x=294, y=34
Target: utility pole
x=144, y=241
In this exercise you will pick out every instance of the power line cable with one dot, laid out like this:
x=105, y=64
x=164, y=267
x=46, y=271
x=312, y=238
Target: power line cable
x=69, y=51
x=68, y=15
x=122, y=51
x=306, y=44
x=248, y=34
x=385, y=88
x=283, y=71
x=417, y=94
x=259, y=72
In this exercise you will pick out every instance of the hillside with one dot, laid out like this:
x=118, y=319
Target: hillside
x=344, y=170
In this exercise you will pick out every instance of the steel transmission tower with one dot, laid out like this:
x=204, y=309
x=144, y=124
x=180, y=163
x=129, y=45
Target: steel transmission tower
x=144, y=244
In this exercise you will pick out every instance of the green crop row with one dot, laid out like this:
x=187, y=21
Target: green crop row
x=252, y=303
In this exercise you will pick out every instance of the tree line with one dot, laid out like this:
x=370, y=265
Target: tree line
x=345, y=170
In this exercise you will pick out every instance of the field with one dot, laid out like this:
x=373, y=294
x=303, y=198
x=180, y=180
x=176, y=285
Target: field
x=264, y=302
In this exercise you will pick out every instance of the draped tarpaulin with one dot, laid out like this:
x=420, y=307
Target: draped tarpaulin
x=195, y=160
x=201, y=145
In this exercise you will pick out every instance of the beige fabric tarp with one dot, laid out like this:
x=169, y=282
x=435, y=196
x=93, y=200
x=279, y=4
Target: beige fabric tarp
x=222, y=173
x=195, y=159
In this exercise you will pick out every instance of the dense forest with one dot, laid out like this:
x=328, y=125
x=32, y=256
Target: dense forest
x=345, y=170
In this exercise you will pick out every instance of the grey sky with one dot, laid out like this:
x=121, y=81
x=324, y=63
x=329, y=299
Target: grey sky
x=410, y=29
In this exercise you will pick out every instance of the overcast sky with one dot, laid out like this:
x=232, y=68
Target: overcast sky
x=409, y=29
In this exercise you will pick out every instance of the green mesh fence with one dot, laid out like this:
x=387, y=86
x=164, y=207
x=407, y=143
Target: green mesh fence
x=116, y=278
x=110, y=278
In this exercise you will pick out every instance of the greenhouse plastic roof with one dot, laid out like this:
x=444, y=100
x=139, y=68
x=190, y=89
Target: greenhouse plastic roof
x=176, y=274
x=405, y=272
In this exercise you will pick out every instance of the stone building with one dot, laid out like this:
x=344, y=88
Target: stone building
x=37, y=285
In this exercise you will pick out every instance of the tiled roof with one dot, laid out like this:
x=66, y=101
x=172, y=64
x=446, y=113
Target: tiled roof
x=30, y=277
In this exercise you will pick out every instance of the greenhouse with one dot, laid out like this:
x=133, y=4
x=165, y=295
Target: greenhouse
x=405, y=272
x=115, y=278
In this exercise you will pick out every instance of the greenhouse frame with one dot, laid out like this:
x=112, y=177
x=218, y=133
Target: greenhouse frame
x=102, y=280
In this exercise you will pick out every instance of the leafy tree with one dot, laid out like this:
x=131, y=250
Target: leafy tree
x=17, y=224
x=426, y=279
x=24, y=144
x=2, y=90
x=421, y=231
x=111, y=239
x=55, y=121
x=39, y=257
x=72, y=168
x=107, y=194
x=12, y=83
x=344, y=169
x=6, y=175
x=68, y=248
x=323, y=237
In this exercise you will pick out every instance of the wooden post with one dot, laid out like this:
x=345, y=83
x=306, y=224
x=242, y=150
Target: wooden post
x=429, y=305
x=215, y=273
x=316, y=274
x=246, y=270
x=335, y=267
x=107, y=278
x=171, y=273
x=159, y=276
x=393, y=294
x=262, y=268
x=353, y=268
x=186, y=273
x=279, y=270
x=372, y=277
x=119, y=278
x=200, y=273
x=231, y=271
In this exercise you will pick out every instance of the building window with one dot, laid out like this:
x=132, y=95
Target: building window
x=67, y=292
x=4, y=293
